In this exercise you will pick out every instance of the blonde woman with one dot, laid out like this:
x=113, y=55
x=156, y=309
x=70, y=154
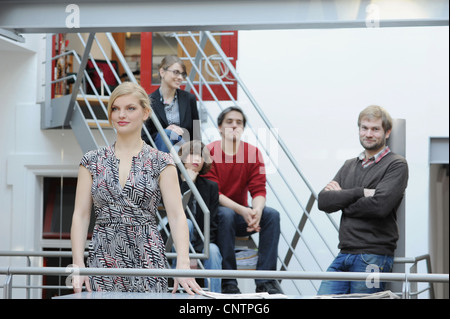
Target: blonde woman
x=125, y=182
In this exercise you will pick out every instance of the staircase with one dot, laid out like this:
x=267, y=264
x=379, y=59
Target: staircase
x=308, y=237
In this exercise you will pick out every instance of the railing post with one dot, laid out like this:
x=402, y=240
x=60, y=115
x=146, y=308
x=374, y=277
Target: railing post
x=28, y=278
x=405, y=294
x=7, y=289
x=46, y=107
x=197, y=61
x=413, y=286
x=428, y=263
x=79, y=78
x=397, y=144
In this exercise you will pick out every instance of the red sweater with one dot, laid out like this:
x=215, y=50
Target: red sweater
x=239, y=174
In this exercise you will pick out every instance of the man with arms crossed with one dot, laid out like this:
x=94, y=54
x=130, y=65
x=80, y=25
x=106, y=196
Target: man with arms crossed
x=368, y=189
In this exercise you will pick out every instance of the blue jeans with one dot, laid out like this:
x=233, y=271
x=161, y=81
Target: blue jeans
x=357, y=263
x=231, y=224
x=213, y=262
x=173, y=137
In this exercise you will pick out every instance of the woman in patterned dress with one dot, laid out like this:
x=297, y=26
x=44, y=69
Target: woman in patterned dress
x=125, y=182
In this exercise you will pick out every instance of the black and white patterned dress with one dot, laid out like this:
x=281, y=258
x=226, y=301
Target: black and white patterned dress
x=125, y=233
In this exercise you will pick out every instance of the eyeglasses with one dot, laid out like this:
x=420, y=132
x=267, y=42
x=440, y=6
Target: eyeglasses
x=177, y=73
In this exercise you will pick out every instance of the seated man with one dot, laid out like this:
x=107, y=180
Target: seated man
x=238, y=168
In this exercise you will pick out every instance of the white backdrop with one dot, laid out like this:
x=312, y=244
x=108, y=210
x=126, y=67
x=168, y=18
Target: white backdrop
x=313, y=83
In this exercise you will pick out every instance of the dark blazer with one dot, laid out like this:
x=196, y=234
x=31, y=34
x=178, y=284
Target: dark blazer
x=210, y=194
x=188, y=113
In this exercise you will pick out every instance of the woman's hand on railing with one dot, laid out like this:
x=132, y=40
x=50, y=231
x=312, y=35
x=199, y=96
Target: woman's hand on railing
x=189, y=285
x=78, y=281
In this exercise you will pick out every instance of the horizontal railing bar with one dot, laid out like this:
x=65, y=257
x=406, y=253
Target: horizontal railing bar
x=215, y=82
x=416, y=293
x=64, y=78
x=12, y=253
x=181, y=35
x=38, y=287
x=218, y=58
x=63, y=54
x=356, y=276
x=410, y=260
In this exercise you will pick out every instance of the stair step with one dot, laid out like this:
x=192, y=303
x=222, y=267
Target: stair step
x=93, y=100
x=103, y=124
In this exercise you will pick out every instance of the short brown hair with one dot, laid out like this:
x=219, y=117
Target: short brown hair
x=170, y=60
x=196, y=147
x=376, y=112
x=229, y=109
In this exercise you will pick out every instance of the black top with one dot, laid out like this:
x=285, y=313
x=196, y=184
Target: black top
x=189, y=118
x=210, y=194
x=368, y=224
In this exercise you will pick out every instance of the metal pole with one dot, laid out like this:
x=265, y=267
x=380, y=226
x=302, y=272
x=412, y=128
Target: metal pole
x=267, y=274
x=79, y=77
x=28, y=278
x=7, y=289
x=397, y=144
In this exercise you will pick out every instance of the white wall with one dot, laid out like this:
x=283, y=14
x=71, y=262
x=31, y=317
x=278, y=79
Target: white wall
x=313, y=83
x=26, y=152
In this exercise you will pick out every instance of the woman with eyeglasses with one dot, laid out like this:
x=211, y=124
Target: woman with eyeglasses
x=176, y=109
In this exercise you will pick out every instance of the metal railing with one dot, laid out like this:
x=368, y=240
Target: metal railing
x=409, y=279
x=291, y=218
x=414, y=292
x=406, y=278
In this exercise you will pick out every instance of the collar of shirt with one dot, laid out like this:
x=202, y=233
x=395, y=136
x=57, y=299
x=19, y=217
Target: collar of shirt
x=374, y=159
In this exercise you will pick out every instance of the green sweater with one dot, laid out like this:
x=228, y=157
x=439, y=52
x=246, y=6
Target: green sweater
x=368, y=224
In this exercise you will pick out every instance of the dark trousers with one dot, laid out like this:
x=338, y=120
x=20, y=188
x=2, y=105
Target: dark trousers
x=231, y=224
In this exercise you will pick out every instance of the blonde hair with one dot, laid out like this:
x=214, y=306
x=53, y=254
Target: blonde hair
x=129, y=88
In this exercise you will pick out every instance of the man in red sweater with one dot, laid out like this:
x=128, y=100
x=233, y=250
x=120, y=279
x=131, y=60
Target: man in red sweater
x=238, y=168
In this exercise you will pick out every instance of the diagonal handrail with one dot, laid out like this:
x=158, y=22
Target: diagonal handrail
x=79, y=77
x=264, y=117
x=298, y=231
x=232, y=70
